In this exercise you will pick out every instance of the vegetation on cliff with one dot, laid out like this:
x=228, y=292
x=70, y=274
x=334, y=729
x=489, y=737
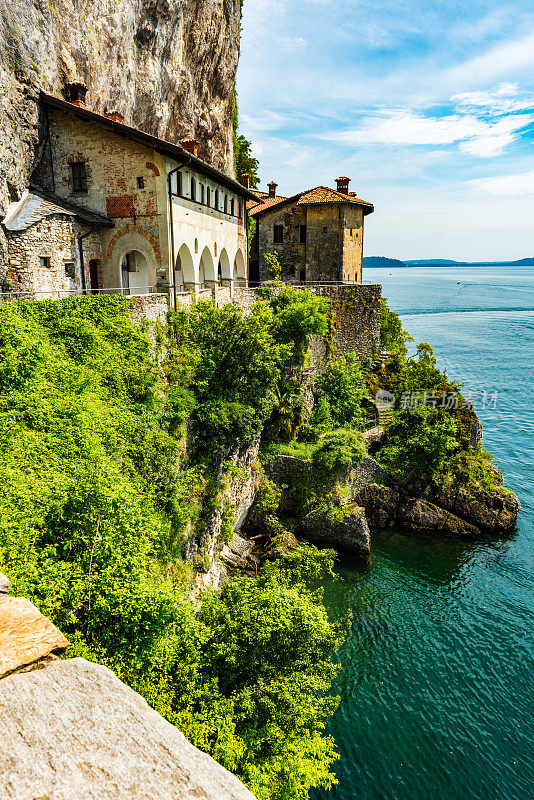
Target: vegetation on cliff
x=108, y=449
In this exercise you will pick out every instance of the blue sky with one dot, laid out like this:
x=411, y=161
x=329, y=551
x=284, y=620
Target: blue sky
x=428, y=107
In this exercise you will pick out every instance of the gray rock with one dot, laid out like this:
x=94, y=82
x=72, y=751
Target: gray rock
x=73, y=730
x=420, y=515
x=492, y=509
x=4, y=584
x=368, y=471
x=343, y=528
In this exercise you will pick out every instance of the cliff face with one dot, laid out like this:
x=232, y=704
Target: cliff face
x=168, y=65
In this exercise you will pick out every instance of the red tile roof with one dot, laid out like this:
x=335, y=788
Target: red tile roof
x=320, y=194
x=323, y=194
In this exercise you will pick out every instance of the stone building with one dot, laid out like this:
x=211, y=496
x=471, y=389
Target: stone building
x=318, y=234
x=113, y=208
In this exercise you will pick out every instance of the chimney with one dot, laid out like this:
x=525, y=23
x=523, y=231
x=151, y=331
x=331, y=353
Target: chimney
x=191, y=145
x=272, y=188
x=343, y=185
x=75, y=93
x=116, y=116
x=245, y=179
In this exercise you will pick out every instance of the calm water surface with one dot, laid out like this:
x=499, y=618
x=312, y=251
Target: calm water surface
x=437, y=688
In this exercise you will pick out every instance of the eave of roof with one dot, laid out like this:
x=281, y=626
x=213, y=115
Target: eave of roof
x=79, y=211
x=160, y=145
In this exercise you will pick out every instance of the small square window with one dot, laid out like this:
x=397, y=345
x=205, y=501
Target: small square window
x=70, y=269
x=325, y=229
x=303, y=234
x=278, y=234
x=78, y=176
x=140, y=182
x=44, y=261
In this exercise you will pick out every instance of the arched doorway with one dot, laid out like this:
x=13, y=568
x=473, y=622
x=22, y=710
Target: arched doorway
x=184, y=270
x=134, y=273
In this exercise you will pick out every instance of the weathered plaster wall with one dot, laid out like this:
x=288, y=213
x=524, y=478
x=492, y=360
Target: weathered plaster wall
x=323, y=243
x=113, y=164
x=352, y=243
x=291, y=218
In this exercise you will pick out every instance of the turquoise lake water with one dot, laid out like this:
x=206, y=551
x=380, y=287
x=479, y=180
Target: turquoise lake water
x=437, y=688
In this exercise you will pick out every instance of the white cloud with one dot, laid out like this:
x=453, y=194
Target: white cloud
x=405, y=128
x=504, y=99
x=509, y=185
x=496, y=62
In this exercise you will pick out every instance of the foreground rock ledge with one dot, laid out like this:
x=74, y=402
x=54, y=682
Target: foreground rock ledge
x=73, y=730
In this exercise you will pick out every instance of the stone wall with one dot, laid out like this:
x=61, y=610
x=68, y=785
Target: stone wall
x=53, y=239
x=355, y=318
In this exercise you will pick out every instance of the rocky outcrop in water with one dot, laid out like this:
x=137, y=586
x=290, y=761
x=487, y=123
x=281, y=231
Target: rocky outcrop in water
x=168, y=65
x=344, y=529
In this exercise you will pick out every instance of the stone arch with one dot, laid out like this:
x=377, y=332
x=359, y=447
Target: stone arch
x=132, y=241
x=132, y=229
x=184, y=269
x=206, y=270
x=224, y=270
x=239, y=266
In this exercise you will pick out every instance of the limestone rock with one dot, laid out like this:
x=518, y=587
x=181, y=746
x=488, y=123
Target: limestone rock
x=281, y=545
x=25, y=635
x=4, y=584
x=346, y=529
x=73, y=730
x=381, y=505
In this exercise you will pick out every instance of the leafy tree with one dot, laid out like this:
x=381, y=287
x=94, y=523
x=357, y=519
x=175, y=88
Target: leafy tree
x=279, y=265
x=244, y=161
x=392, y=335
x=419, y=440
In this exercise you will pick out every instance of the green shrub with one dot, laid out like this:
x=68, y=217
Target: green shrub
x=338, y=452
x=419, y=440
x=342, y=385
x=95, y=504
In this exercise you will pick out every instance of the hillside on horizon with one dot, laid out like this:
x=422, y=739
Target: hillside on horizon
x=382, y=261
